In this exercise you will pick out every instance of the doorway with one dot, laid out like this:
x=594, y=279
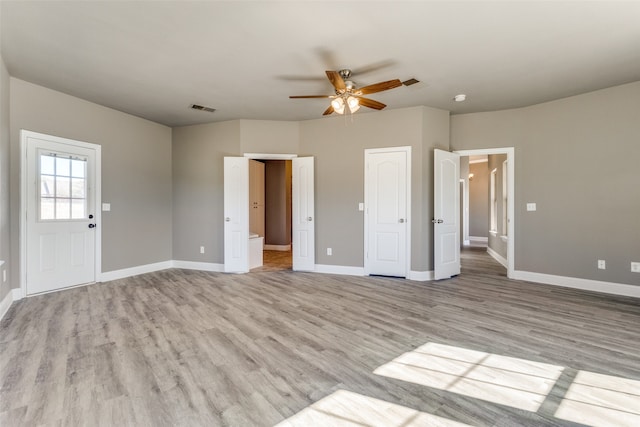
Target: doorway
x=499, y=203
x=60, y=193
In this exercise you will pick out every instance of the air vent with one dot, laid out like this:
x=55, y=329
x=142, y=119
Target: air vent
x=203, y=108
x=410, y=82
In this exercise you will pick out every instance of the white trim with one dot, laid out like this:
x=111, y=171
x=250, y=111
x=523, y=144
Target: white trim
x=478, y=239
x=511, y=214
x=495, y=255
x=5, y=304
x=24, y=134
x=473, y=162
x=367, y=151
x=270, y=156
x=282, y=248
x=421, y=276
x=202, y=266
x=134, y=271
x=578, y=283
x=339, y=269
x=466, y=242
x=504, y=238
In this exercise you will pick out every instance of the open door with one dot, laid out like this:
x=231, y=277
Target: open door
x=236, y=214
x=302, y=217
x=446, y=214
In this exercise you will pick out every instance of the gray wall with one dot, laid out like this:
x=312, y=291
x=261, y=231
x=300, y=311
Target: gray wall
x=277, y=202
x=136, y=171
x=577, y=158
x=5, y=223
x=479, y=200
x=495, y=241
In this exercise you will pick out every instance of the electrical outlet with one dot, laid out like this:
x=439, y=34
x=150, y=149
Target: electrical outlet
x=635, y=267
x=201, y=249
x=602, y=265
x=329, y=251
x=531, y=207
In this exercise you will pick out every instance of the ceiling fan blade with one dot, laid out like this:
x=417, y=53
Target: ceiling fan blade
x=379, y=87
x=328, y=111
x=366, y=102
x=310, y=96
x=336, y=80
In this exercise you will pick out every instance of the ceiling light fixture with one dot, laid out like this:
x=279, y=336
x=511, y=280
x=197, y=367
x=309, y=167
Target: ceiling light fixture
x=459, y=98
x=338, y=105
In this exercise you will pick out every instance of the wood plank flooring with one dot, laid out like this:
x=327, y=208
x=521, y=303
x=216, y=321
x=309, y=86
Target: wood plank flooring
x=193, y=348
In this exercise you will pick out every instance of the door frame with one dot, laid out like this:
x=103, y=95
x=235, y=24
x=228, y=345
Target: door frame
x=407, y=150
x=271, y=156
x=24, y=134
x=511, y=236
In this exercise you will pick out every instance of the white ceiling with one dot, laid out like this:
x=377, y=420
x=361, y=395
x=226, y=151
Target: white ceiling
x=155, y=59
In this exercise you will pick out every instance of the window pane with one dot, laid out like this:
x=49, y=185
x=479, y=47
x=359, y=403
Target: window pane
x=78, y=209
x=63, y=166
x=46, y=208
x=78, y=188
x=63, y=187
x=46, y=165
x=47, y=186
x=63, y=208
x=78, y=168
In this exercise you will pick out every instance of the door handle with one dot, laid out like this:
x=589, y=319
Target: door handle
x=309, y=219
x=227, y=219
x=92, y=226
x=401, y=220
x=437, y=221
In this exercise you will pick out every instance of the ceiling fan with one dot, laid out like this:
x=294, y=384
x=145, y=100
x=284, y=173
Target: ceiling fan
x=348, y=97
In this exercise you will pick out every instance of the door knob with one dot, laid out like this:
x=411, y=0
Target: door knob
x=437, y=221
x=92, y=226
x=401, y=220
x=227, y=219
x=309, y=219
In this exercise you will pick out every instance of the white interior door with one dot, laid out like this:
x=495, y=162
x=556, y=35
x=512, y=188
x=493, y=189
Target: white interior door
x=446, y=211
x=303, y=219
x=387, y=178
x=236, y=214
x=61, y=212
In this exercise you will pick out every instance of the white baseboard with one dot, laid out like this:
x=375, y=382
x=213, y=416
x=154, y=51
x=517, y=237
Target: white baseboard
x=495, y=255
x=466, y=242
x=204, y=266
x=577, y=283
x=283, y=248
x=420, y=276
x=478, y=239
x=339, y=269
x=134, y=271
x=5, y=304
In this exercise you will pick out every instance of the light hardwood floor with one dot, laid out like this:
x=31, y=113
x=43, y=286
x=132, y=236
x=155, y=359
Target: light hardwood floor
x=193, y=348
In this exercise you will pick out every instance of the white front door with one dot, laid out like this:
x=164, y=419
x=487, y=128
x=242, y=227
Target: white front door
x=303, y=219
x=446, y=211
x=236, y=214
x=61, y=212
x=387, y=201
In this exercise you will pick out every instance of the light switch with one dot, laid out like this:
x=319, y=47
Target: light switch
x=360, y=206
x=106, y=207
x=531, y=207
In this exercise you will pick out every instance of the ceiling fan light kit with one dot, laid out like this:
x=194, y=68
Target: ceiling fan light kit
x=348, y=96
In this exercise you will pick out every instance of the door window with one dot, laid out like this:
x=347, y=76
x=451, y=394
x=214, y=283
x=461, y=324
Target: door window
x=63, y=187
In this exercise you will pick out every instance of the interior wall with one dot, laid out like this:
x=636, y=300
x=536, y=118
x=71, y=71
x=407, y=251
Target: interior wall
x=277, y=203
x=198, y=188
x=577, y=159
x=464, y=200
x=5, y=219
x=479, y=200
x=136, y=171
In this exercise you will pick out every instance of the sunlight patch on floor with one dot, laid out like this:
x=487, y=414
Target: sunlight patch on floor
x=601, y=400
x=345, y=409
x=517, y=383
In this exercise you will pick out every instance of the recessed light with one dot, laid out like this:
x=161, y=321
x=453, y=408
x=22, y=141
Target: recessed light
x=459, y=98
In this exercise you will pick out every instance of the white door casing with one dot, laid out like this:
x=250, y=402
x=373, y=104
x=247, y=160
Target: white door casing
x=387, y=211
x=302, y=214
x=236, y=214
x=446, y=211
x=61, y=220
